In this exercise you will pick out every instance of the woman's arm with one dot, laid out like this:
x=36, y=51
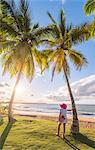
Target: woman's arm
x=69, y=109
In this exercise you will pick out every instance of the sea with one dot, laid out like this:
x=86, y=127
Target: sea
x=52, y=109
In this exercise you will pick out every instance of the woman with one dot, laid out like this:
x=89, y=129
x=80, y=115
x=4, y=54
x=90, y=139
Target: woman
x=62, y=119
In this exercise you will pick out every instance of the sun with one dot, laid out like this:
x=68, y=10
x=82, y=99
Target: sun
x=20, y=90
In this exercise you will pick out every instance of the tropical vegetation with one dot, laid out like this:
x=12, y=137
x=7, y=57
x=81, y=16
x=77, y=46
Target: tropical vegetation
x=89, y=7
x=19, y=41
x=62, y=41
x=18, y=45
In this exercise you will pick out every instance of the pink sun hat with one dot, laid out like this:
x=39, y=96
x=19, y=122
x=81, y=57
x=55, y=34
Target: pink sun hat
x=64, y=106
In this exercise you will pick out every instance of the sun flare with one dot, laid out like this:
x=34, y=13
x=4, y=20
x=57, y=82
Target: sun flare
x=20, y=90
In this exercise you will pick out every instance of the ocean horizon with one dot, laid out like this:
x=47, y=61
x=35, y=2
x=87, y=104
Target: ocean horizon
x=52, y=109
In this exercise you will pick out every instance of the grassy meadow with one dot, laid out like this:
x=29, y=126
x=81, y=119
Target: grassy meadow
x=38, y=134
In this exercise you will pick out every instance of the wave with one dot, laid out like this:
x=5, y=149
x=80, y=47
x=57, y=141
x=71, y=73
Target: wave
x=87, y=110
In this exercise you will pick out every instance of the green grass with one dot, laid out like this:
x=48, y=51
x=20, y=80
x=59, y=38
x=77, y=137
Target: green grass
x=29, y=134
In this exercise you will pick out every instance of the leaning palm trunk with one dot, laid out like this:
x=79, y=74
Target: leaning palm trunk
x=75, y=123
x=10, y=114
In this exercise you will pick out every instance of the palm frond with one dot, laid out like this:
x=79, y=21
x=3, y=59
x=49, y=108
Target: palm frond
x=57, y=31
x=67, y=41
x=50, y=16
x=25, y=15
x=62, y=22
x=41, y=31
x=36, y=26
x=7, y=44
x=80, y=33
x=77, y=58
x=29, y=68
x=47, y=42
x=55, y=27
x=69, y=28
x=40, y=59
x=48, y=55
x=60, y=59
x=8, y=7
x=91, y=28
x=32, y=68
x=8, y=29
x=6, y=62
x=89, y=7
x=59, y=63
x=48, y=52
x=9, y=11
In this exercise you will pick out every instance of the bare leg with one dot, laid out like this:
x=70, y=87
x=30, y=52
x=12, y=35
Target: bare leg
x=58, y=132
x=64, y=130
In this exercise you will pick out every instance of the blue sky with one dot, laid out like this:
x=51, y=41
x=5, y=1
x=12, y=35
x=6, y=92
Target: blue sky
x=74, y=13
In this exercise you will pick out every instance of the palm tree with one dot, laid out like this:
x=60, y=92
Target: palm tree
x=89, y=7
x=18, y=46
x=61, y=46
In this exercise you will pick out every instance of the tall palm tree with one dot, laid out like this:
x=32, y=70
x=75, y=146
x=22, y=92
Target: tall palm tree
x=89, y=7
x=18, y=45
x=61, y=46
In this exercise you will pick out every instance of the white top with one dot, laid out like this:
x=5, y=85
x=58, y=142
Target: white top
x=63, y=112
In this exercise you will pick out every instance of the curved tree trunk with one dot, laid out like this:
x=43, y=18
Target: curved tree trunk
x=10, y=114
x=75, y=123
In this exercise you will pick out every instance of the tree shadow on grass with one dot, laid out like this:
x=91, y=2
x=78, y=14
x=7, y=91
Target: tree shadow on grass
x=70, y=144
x=5, y=134
x=84, y=139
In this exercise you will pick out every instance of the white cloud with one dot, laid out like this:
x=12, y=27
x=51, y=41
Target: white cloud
x=4, y=91
x=83, y=91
